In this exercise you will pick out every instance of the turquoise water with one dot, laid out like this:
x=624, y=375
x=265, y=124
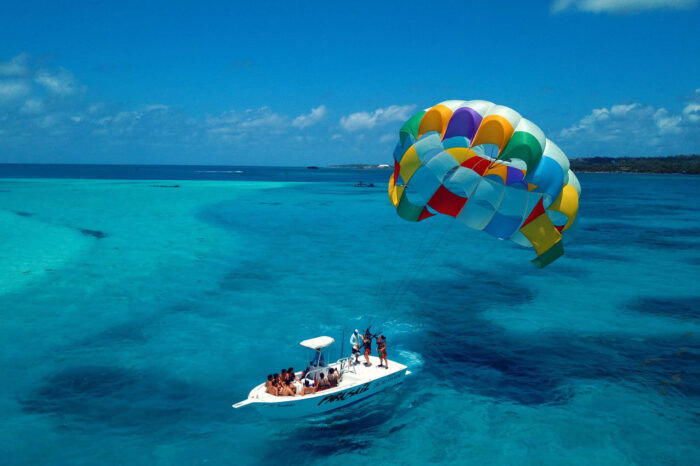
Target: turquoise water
x=135, y=313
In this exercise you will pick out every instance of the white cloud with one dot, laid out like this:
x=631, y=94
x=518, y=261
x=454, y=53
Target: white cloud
x=317, y=114
x=692, y=110
x=622, y=110
x=621, y=6
x=368, y=120
x=635, y=130
x=13, y=89
x=44, y=111
x=32, y=106
x=667, y=124
x=153, y=107
x=388, y=137
x=16, y=66
x=60, y=83
x=149, y=125
x=48, y=121
x=237, y=124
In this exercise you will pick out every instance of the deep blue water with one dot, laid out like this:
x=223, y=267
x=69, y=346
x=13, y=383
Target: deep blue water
x=136, y=313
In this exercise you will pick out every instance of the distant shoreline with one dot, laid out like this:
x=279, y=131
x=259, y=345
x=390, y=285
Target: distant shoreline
x=361, y=166
x=670, y=165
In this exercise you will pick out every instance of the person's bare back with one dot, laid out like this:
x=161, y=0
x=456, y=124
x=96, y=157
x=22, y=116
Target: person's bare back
x=307, y=389
x=323, y=383
x=333, y=378
x=286, y=391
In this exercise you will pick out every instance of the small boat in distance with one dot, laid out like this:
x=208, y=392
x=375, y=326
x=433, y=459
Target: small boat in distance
x=356, y=383
x=362, y=184
x=312, y=167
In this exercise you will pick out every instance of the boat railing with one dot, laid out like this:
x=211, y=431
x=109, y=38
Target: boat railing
x=346, y=365
x=312, y=375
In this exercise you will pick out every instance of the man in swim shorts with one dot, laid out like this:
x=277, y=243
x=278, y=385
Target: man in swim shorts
x=381, y=349
x=367, y=343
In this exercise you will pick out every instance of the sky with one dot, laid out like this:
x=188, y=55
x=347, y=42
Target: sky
x=322, y=82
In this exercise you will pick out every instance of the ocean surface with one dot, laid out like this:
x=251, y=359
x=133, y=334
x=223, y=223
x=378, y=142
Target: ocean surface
x=139, y=303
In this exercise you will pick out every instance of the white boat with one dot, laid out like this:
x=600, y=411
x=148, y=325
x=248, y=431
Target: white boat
x=356, y=383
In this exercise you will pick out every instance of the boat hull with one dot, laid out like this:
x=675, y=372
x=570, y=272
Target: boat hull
x=333, y=399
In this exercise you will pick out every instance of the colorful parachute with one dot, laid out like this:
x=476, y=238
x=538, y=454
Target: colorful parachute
x=491, y=169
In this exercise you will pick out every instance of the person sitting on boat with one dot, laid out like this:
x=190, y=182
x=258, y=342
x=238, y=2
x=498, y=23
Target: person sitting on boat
x=308, y=389
x=298, y=386
x=367, y=343
x=323, y=383
x=272, y=388
x=284, y=377
x=287, y=389
x=333, y=377
x=381, y=349
x=355, y=340
x=294, y=380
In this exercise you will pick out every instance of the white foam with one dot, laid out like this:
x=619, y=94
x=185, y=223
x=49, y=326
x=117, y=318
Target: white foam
x=411, y=359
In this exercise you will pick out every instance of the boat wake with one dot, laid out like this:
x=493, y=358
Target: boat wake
x=411, y=359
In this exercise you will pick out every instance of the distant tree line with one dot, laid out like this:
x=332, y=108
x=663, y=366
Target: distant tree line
x=687, y=164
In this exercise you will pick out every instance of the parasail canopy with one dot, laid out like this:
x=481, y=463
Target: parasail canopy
x=489, y=168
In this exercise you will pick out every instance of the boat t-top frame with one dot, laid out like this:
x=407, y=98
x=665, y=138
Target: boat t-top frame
x=318, y=365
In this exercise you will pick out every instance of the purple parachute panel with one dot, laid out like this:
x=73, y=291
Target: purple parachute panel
x=464, y=122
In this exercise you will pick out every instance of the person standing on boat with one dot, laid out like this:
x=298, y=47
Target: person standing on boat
x=318, y=360
x=367, y=343
x=355, y=340
x=381, y=349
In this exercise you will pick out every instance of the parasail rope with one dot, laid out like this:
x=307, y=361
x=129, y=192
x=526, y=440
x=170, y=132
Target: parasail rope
x=416, y=271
